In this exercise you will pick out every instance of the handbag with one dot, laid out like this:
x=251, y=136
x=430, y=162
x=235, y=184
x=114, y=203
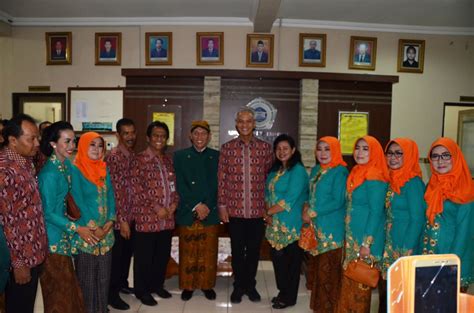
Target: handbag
x=72, y=210
x=307, y=239
x=363, y=273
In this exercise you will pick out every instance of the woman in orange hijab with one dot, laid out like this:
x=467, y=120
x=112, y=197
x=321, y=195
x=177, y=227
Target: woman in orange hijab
x=365, y=219
x=326, y=210
x=93, y=193
x=450, y=207
x=404, y=207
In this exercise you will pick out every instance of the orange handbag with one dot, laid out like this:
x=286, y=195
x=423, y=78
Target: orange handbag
x=363, y=273
x=308, y=240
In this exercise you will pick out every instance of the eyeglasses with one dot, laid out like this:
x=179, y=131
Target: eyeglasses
x=437, y=157
x=396, y=154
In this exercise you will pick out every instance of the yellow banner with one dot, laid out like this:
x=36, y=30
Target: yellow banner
x=168, y=119
x=352, y=126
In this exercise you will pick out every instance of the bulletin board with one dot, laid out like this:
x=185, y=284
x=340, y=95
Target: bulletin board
x=94, y=107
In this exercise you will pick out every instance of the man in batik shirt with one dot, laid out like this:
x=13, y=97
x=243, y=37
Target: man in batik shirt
x=243, y=166
x=119, y=162
x=21, y=213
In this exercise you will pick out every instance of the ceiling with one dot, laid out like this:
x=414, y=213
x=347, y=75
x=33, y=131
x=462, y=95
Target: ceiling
x=425, y=13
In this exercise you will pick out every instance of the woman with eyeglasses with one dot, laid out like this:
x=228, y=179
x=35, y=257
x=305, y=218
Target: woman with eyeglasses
x=366, y=189
x=450, y=207
x=404, y=207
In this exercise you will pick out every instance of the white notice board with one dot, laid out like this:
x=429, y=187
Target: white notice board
x=94, y=105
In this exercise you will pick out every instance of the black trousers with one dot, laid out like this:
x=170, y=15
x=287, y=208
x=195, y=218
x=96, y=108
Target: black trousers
x=245, y=239
x=152, y=253
x=21, y=298
x=121, y=257
x=287, y=266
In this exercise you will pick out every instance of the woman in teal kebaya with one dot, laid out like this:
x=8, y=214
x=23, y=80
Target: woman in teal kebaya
x=285, y=193
x=405, y=207
x=93, y=192
x=59, y=286
x=365, y=219
x=326, y=210
x=450, y=207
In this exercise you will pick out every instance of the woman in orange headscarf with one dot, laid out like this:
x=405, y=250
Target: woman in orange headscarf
x=365, y=219
x=450, y=207
x=93, y=193
x=404, y=206
x=326, y=210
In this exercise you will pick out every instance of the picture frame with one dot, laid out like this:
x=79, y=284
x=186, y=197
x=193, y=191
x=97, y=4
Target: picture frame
x=411, y=56
x=108, y=48
x=260, y=50
x=312, y=50
x=210, y=48
x=159, y=48
x=363, y=53
x=58, y=48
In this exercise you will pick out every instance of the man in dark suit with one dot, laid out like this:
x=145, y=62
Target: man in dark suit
x=210, y=52
x=159, y=51
x=108, y=52
x=259, y=56
x=58, y=52
x=411, y=55
x=362, y=56
x=312, y=53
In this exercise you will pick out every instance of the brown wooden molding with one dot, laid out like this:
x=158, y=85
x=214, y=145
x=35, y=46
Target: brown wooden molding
x=258, y=74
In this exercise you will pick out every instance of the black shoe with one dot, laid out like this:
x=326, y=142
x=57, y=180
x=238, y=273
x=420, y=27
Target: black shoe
x=280, y=305
x=210, y=294
x=275, y=299
x=163, y=293
x=118, y=304
x=253, y=294
x=147, y=299
x=236, y=296
x=186, y=294
x=127, y=290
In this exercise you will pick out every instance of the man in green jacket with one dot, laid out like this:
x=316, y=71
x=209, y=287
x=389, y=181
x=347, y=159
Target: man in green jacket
x=197, y=216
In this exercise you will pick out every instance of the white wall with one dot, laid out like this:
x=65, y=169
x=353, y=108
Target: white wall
x=417, y=99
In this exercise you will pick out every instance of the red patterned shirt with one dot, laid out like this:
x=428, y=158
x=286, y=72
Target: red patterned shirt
x=21, y=213
x=119, y=162
x=242, y=173
x=153, y=182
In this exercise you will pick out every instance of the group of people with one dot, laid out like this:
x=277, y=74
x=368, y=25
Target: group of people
x=73, y=223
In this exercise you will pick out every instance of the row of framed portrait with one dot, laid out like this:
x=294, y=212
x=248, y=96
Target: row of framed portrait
x=259, y=52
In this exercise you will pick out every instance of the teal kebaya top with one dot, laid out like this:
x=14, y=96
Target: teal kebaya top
x=327, y=206
x=365, y=220
x=405, y=221
x=54, y=181
x=289, y=189
x=97, y=205
x=453, y=232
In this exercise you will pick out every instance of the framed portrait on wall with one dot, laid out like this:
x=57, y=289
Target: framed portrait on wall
x=312, y=50
x=159, y=48
x=411, y=55
x=210, y=48
x=363, y=53
x=108, y=48
x=260, y=50
x=58, y=48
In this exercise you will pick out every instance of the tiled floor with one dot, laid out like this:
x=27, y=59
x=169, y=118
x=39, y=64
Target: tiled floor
x=199, y=304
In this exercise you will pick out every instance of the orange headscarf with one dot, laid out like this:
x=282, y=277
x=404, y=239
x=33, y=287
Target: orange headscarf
x=457, y=185
x=336, y=155
x=375, y=169
x=94, y=170
x=409, y=169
